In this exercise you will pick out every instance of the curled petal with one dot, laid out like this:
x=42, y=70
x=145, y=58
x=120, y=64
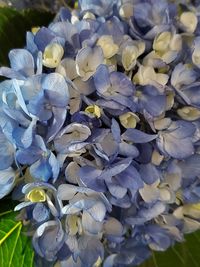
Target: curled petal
x=48, y=239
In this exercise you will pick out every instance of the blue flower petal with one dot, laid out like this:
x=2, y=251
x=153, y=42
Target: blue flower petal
x=48, y=239
x=137, y=136
x=6, y=152
x=7, y=181
x=21, y=60
x=56, y=89
x=90, y=178
x=41, y=170
x=149, y=173
x=90, y=250
x=40, y=213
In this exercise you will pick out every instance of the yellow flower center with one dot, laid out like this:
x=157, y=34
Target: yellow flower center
x=36, y=195
x=35, y=30
x=94, y=110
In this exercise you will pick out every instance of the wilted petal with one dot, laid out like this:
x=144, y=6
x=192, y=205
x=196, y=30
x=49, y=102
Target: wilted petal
x=107, y=147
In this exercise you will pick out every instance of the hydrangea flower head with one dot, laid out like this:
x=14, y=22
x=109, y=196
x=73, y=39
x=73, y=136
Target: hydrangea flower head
x=99, y=131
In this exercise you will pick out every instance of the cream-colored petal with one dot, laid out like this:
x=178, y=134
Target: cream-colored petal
x=162, y=124
x=156, y=158
x=108, y=46
x=162, y=41
x=129, y=56
x=129, y=120
x=52, y=55
x=162, y=78
x=189, y=21
x=176, y=42
x=189, y=113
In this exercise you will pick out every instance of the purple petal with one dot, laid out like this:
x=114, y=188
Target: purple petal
x=149, y=173
x=90, y=178
x=191, y=166
x=137, y=136
x=90, y=250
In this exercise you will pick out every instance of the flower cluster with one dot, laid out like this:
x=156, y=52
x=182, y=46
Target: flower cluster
x=100, y=131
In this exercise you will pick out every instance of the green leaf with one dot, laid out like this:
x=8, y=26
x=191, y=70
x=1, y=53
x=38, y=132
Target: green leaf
x=186, y=254
x=15, y=247
x=14, y=25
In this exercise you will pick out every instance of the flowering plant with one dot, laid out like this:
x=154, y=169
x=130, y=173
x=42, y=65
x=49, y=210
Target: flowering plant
x=100, y=131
